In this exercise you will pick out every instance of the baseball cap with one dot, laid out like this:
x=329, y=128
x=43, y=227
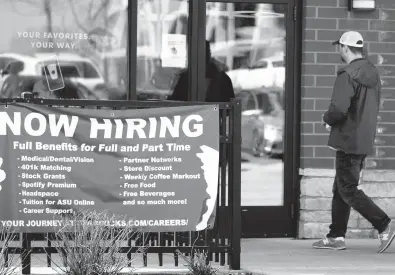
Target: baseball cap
x=351, y=38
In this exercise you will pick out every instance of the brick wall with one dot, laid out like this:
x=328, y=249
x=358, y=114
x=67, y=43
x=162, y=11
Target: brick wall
x=325, y=21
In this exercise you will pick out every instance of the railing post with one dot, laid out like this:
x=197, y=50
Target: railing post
x=26, y=253
x=235, y=166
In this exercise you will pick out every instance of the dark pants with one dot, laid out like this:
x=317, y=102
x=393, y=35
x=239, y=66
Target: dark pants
x=346, y=195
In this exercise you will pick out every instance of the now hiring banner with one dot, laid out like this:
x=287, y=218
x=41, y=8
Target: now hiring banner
x=157, y=168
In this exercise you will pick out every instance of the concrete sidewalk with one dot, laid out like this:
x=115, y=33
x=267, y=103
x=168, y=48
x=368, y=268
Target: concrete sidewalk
x=275, y=257
x=296, y=257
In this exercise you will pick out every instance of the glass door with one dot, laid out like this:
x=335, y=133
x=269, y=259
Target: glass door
x=162, y=30
x=249, y=40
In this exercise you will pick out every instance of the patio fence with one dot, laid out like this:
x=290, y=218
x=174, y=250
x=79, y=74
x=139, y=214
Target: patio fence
x=222, y=243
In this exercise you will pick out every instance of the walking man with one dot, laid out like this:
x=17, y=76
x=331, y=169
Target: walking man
x=352, y=119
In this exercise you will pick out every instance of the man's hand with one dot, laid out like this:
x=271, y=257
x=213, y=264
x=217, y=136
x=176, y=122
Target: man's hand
x=327, y=127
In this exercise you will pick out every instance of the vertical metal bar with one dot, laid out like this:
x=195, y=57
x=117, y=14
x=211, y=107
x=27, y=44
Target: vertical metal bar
x=65, y=255
x=217, y=227
x=201, y=52
x=235, y=184
x=197, y=50
x=175, y=253
x=191, y=242
x=205, y=238
x=145, y=242
x=221, y=180
x=132, y=49
x=207, y=257
x=151, y=242
x=5, y=252
x=229, y=211
x=176, y=259
x=295, y=111
x=192, y=39
x=129, y=254
x=207, y=243
x=210, y=243
x=49, y=262
x=193, y=255
x=161, y=243
x=222, y=183
x=26, y=253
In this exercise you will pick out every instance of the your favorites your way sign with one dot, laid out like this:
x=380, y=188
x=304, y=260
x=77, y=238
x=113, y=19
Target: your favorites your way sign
x=158, y=167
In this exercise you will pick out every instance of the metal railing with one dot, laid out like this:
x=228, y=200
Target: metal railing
x=222, y=243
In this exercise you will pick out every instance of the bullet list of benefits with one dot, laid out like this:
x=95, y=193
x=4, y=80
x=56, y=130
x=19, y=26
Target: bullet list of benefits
x=137, y=193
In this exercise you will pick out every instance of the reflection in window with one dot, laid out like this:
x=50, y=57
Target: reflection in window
x=70, y=71
x=264, y=103
x=85, y=39
x=260, y=64
x=247, y=101
x=161, y=46
x=278, y=64
x=250, y=39
x=251, y=104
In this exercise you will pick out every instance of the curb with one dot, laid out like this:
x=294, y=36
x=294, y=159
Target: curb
x=150, y=271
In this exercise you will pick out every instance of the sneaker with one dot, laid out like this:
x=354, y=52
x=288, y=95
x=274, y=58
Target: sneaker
x=386, y=237
x=330, y=243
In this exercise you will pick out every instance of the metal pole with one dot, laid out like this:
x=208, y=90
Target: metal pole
x=132, y=50
x=197, y=50
x=236, y=184
x=25, y=253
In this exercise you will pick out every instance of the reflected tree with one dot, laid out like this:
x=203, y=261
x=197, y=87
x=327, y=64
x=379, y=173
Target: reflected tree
x=34, y=7
x=105, y=21
x=94, y=11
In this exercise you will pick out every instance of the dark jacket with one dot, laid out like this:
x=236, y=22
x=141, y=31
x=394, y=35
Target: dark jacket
x=354, y=107
x=220, y=88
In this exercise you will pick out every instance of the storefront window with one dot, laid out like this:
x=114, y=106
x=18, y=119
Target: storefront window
x=248, y=42
x=64, y=48
x=161, y=46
